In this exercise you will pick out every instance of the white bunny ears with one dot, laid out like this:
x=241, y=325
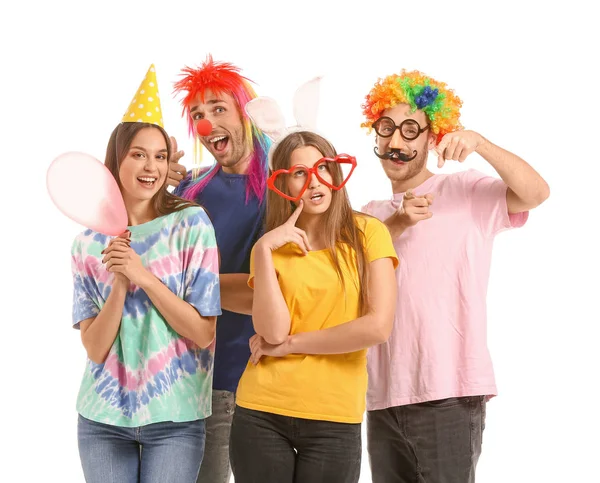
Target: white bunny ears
x=267, y=116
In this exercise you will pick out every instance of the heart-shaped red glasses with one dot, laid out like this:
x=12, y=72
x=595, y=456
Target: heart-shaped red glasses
x=301, y=174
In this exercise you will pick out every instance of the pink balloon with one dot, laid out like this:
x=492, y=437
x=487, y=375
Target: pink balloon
x=86, y=191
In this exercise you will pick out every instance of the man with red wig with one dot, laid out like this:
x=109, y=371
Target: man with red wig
x=232, y=191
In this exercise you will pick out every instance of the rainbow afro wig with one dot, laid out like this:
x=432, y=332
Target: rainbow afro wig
x=439, y=103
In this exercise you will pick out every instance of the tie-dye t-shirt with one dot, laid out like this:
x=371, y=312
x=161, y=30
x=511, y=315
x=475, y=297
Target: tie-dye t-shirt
x=151, y=374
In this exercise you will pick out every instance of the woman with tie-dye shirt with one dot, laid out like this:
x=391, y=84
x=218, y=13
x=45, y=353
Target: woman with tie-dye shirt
x=146, y=303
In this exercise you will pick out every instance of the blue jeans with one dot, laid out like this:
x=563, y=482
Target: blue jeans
x=157, y=453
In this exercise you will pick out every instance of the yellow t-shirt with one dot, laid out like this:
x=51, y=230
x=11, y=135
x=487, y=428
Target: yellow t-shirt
x=319, y=387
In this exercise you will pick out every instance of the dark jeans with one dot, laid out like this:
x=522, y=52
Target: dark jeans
x=157, y=453
x=432, y=442
x=268, y=448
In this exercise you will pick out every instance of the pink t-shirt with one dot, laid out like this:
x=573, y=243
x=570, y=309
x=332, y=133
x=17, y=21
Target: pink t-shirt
x=438, y=347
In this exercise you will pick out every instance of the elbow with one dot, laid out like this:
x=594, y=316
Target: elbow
x=544, y=193
x=541, y=195
x=206, y=336
x=275, y=338
x=96, y=358
x=274, y=332
x=205, y=341
x=95, y=355
x=382, y=328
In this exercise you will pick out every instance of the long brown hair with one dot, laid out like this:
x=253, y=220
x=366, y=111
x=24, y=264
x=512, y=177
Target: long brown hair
x=339, y=221
x=163, y=202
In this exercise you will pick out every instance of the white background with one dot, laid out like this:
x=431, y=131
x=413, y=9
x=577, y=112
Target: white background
x=525, y=73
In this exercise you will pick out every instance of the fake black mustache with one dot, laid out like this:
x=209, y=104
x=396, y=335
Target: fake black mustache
x=395, y=154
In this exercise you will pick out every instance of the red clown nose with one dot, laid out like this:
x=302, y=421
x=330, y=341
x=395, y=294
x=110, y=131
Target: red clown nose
x=204, y=127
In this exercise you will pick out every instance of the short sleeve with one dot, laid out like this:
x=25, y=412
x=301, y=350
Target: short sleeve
x=84, y=304
x=488, y=204
x=201, y=265
x=251, y=275
x=378, y=241
x=367, y=208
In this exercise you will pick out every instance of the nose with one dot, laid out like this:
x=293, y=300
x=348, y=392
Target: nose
x=314, y=181
x=204, y=127
x=397, y=142
x=150, y=164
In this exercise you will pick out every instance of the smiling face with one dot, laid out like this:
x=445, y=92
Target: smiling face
x=227, y=141
x=143, y=170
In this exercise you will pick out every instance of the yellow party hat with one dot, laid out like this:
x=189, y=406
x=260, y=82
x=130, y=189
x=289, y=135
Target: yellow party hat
x=145, y=106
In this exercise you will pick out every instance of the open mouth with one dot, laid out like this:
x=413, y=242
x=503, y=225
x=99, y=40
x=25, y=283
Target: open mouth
x=219, y=143
x=147, y=181
x=317, y=198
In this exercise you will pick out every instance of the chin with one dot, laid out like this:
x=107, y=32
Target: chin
x=228, y=162
x=141, y=194
x=315, y=209
x=145, y=196
x=398, y=172
x=225, y=164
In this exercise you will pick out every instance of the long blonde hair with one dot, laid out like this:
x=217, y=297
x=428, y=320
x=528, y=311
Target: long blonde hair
x=339, y=221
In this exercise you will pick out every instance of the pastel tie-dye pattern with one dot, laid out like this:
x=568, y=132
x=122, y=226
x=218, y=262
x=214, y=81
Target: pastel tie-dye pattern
x=151, y=374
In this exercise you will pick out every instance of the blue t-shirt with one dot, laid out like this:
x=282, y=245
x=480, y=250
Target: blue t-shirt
x=238, y=225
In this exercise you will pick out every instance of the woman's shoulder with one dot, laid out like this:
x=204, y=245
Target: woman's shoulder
x=191, y=216
x=86, y=238
x=367, y=223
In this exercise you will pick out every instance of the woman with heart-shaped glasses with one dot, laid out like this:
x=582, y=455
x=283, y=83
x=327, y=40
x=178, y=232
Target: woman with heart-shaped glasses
x=324, y=291
x=298, y=177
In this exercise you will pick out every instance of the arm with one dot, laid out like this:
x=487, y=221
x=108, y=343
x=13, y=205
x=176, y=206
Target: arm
x=236, y=295
x=270, y=314
x=179, y=314
x=526, y=188
x=201, y=289
x=412, y=210
x=396, y=224
x=98, y=333
x=177, y=172
x=200, y=286
x=371, y=329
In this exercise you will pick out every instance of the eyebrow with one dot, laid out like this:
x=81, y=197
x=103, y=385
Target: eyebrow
x=144, y=149
x=212, y=101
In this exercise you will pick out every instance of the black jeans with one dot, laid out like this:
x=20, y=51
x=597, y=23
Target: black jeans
x=268, y=448
x=432, y=442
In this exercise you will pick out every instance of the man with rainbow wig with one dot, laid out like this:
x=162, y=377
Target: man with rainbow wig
x=232, y=191
x=429, y=383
